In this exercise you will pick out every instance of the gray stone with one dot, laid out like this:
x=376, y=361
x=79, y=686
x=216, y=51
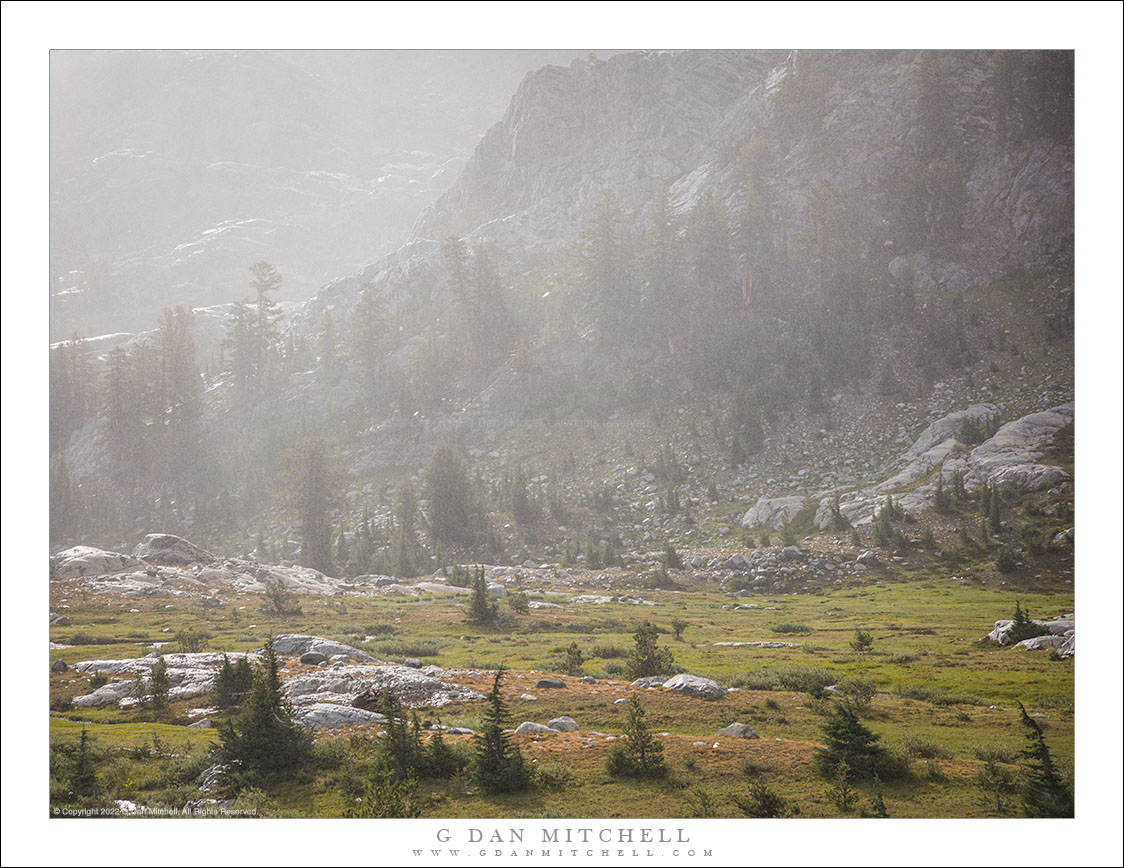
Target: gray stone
x=297, y=644
x=313, y=658
x=82, y=561
x=773, y=512
x=791, y=553
x=695, y=685
x=328, y=715
x=205, y=723
x=1040, y=642
x=563, y=724
x=551, y=683
x=59, y=665
x=738, y=730
x=527, y=726
x=869, y=559
x=588, y=679
x=412, y=662
x=460, y=730
x=649, y=681
x=170, y=550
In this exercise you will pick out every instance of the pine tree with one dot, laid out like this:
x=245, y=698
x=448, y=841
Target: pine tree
x=401, y=748
x=312, y=481
x=1044, y=792
x=264, y=738
x=521, y=508
x=83, y=777
x=848, y=741
x=646, y=659
x=574, y=660
x=369, y=340
x=159, y=686
x=481, y=610
x=224, y=684
x=993, y=520
x=641, y=754
x=453, y=518
x=498, y=765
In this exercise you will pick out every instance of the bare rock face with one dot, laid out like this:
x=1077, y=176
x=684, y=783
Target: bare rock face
x=89, y=561
x=340, y=694
x=299, y=645
x=773, y=512
x=1011, y=455
x=169, y=550
x=329, y=715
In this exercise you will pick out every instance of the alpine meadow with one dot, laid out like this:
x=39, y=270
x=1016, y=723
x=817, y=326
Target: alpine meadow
x=562, y=434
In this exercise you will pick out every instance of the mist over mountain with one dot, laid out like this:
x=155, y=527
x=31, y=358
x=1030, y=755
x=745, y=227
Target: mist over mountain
x=660, y=279
x=170, y=171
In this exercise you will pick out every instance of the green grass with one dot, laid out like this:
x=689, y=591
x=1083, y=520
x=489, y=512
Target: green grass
x=942, y=695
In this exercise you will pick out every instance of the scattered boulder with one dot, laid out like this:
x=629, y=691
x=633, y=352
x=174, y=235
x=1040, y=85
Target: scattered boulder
x=649, y=681
x=59, y=665
x=527, y=726
x=869, y=560
x=460, y=730
x=588, y=679
x=205, y=723
x=738, y=730
x=550, y=683
x=170, y=550
x=563, y=724
x=695, y=685
x=313, y=658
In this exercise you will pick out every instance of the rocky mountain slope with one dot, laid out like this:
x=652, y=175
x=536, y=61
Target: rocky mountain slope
x=171, y=171
x=942, y=179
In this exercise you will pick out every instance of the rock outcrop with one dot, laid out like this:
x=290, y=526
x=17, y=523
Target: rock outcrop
x=81, y=561
x=165, y=549
x=773, y=511
x=327, y=698
x=1010, y=457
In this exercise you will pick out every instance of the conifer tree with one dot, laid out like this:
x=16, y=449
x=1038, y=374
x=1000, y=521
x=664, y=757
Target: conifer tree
x=83, y=777
x=481, y=610
x=159, y=686
x=646, y=658
x=848, y=741
x=264, y=738
x=453, y=518
x=312, y=481
x=1044, y=793
x=640, y=755
x=498, y=765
